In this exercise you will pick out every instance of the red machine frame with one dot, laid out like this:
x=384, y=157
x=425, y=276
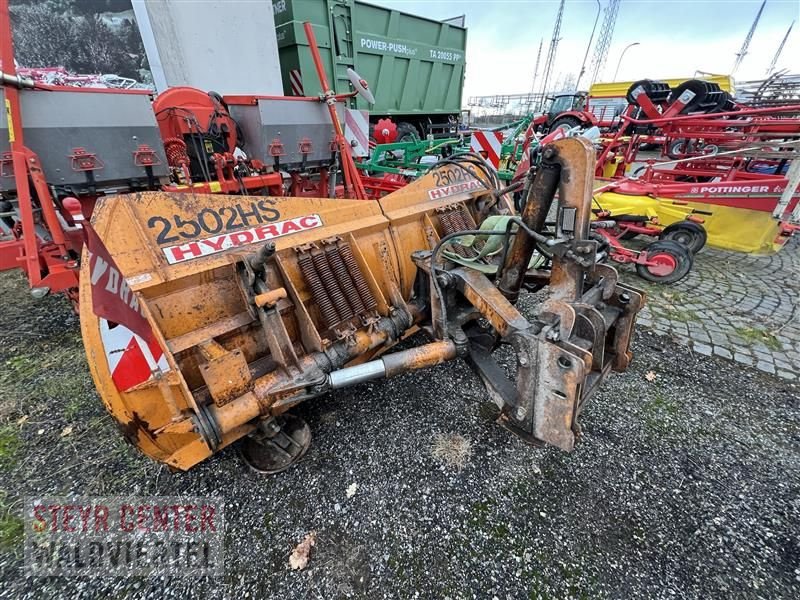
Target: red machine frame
x=52, y=265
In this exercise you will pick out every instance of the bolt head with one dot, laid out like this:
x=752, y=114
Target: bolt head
x=445, y=279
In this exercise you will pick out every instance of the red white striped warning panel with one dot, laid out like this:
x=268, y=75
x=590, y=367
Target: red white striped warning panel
x=356, y=131
x=131, y=360
x=488, y=144
x=296, y=81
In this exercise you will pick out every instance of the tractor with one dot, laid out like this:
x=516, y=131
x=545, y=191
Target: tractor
x=565, y=112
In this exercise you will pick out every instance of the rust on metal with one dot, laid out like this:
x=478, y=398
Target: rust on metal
x=252, y=320
x=421, y=357
x=270, y=298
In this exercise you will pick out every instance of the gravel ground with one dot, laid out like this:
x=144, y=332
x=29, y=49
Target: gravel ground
x=686, y=486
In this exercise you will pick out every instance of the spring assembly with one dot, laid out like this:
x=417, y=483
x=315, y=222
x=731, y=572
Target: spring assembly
x=331, y=285
x=343, y=278
x=323, y=301
x=448, y=224
x=451, y=223
x=466, y=221
x=357, y=276
x=463, y=217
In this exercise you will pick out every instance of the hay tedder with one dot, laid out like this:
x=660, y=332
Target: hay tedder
x=253, y=311
x=736, y=176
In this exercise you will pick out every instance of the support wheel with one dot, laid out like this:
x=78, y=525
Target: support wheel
x=688, y=234
x=678, y=149
x=669, y=262
x=276, y=444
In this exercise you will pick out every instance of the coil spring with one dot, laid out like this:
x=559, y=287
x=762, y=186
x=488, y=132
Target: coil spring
x=357, y=276
x=467, y=222
x=452, y=224
x=464, y=218
x=446, y=219
x=323, y=301
x=331, y=286
x=344, y=279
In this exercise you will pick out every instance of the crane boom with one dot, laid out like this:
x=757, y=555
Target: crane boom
x=775, y=58
x=536, y=66
x=535, y=75
x=604, y=39
x=746, y=44
x=551, y=53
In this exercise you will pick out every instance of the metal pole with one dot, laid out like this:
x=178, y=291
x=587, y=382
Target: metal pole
x=19, y=162
x=10, y=76
x=620, y=57
x=351, y=175
x=588, y=46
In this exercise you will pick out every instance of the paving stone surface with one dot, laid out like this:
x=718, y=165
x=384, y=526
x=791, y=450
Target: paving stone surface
x=737, y=306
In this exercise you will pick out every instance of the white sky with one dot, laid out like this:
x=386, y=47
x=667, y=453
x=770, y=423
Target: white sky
x=677, y=37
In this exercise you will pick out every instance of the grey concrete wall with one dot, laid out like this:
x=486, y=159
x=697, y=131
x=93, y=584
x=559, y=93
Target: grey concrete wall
x=228, y=46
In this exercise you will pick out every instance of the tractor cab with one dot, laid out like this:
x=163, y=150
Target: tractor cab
x=565, y=111
x=566, y=103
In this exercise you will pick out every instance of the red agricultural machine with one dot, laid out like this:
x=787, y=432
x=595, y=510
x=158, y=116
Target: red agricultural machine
x=724, y=175
x=565, y=111
x=62, y=148
x=730, y=169
x=645, y=99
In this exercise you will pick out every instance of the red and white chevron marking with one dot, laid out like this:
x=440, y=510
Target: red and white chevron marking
x=356, y=131
x=488, y=144
x=131, y=360
x=296, y=81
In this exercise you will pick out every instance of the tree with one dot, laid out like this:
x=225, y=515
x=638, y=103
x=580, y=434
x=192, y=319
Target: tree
x=100, y=50
x=45, y=38
x=32, y=48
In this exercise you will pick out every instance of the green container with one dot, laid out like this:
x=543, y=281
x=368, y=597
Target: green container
x=414, y=66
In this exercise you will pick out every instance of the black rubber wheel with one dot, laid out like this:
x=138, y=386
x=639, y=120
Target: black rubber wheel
x=657, y=91
x=276, y=445
x=723, y=101
x=406, y=132
x=678, y=148
x=565, y=123
x=691, y=235
x=701, y=90
x=675, y=262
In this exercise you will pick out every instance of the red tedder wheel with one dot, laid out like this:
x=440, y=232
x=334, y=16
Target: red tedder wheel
x=385, y=131
x=665, y=262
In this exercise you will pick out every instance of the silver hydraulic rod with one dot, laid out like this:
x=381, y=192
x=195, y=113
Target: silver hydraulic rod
x=393, y=364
